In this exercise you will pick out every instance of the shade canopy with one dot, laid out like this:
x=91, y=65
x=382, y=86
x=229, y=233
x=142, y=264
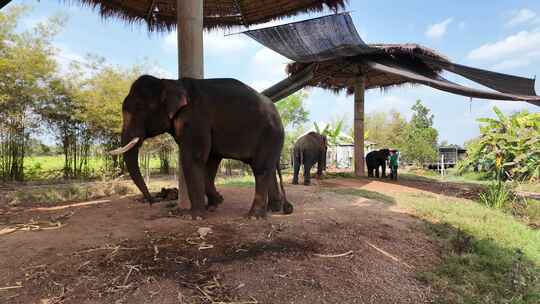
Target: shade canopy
x=161, y=15
x=330, y=51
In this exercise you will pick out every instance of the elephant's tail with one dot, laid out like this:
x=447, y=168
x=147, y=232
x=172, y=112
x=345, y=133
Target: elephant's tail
x=287, y=206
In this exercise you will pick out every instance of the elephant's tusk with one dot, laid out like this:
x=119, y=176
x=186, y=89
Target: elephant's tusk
x=125, y=148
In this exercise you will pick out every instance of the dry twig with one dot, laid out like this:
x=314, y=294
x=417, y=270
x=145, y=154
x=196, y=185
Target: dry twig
x=333, y=255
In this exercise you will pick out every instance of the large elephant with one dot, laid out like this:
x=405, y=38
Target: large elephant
x=308, y=150
x=211, y=119
x=376, y=159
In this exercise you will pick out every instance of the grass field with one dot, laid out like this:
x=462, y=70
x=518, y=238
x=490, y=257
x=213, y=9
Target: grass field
x=488, y=255
x=49, y=163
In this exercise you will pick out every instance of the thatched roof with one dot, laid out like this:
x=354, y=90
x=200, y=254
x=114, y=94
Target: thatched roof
x=339, y=74
x=160, y=15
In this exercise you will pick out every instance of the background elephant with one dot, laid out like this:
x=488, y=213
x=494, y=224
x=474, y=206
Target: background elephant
x=376, y=159
x=212, y=119
x=308, y=150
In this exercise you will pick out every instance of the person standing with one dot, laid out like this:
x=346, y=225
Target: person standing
x=394, y=164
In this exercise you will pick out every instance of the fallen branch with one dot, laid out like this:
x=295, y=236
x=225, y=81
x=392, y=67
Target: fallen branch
x=389, y=255
x=333, y=255
x=32, y=226
x=11, y=287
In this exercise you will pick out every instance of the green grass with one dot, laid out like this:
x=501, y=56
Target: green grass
x=243, y=181
x=365, y=194
x=68, y=193
x=41, y=167
x=489, y=256
x=451, y=176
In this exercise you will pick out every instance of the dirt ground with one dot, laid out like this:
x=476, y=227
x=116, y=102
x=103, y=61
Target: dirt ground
x=332, y=249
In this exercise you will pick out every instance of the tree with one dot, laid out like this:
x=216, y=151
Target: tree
x=293, y=116
x=385, y=128
x=26, y=67
x=508, y=147
x=421, y=118
x=334, y=132
x=419, y=137
x=291, y=110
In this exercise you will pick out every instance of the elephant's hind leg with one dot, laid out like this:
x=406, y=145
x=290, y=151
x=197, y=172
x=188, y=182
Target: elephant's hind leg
x=214, y=197
x=262, y=182
x=275, y=200
x=296, y=170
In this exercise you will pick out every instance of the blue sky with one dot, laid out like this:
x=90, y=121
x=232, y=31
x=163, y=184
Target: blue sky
x=503, y=35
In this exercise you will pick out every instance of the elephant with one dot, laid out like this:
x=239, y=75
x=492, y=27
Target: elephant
x=376, y=159
x=211, y=119
x=308, y=150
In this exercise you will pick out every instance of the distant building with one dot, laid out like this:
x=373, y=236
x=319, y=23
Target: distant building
x=342, y=156
x=448, y=157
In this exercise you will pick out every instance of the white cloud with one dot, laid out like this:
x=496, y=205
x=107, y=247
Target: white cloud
x=517, y=50
x=390, y=102
x=215, y=43
x=438, y=30
x=65, y=55
x=270, y=64
x=260, y=85
x=521, y=16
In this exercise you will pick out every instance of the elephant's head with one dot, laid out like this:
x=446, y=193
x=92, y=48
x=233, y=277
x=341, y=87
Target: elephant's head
x=384, y=153
x=147, y=111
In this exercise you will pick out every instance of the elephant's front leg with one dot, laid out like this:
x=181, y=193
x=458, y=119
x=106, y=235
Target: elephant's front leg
x=214, y=198
x=383, y=169
x=195, y=175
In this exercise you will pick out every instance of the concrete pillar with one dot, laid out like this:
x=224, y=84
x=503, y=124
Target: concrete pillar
x=359, y=94
x=190, y=63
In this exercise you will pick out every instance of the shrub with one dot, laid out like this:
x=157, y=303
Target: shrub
x=498, y=195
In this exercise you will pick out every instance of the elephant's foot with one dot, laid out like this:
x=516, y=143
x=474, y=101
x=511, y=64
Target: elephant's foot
x=307, y=183
x=275, y=206
x=257, y=213
x=295, y=182
x=192, y=215
x=287, y=208
x=149, y=200
x=214, y=201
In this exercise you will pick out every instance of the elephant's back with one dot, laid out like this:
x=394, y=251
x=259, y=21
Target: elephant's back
x=370, y=155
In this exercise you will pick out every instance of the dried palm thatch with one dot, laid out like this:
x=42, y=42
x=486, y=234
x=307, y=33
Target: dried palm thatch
x=339, y=74
x=160, y=15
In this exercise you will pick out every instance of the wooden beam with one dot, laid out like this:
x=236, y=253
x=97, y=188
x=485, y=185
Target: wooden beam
x=290, y=85
x=190, y=38
x=190, y=64
x=4, y=3
x=359, y=94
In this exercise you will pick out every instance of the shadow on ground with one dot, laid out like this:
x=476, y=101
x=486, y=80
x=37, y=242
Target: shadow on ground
x=337, y=247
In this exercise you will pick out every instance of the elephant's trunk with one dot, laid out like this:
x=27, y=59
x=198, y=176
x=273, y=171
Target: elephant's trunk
x=131, y=158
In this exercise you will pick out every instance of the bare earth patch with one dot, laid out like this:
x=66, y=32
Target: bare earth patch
x=333, y=249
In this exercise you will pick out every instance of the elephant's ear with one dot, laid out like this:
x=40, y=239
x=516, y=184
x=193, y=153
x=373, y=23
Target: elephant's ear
x=174, y=97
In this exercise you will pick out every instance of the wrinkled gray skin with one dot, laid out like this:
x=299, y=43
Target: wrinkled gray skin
x=212, y=119
x=376, y=159
x=309, y=150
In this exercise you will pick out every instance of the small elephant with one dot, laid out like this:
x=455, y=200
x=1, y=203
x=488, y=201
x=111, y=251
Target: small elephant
x=308, y=150
x=211, y=119
x=376, y=159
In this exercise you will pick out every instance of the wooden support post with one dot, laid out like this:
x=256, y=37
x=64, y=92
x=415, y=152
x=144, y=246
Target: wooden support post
x=359, y=94
x=190, y=63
